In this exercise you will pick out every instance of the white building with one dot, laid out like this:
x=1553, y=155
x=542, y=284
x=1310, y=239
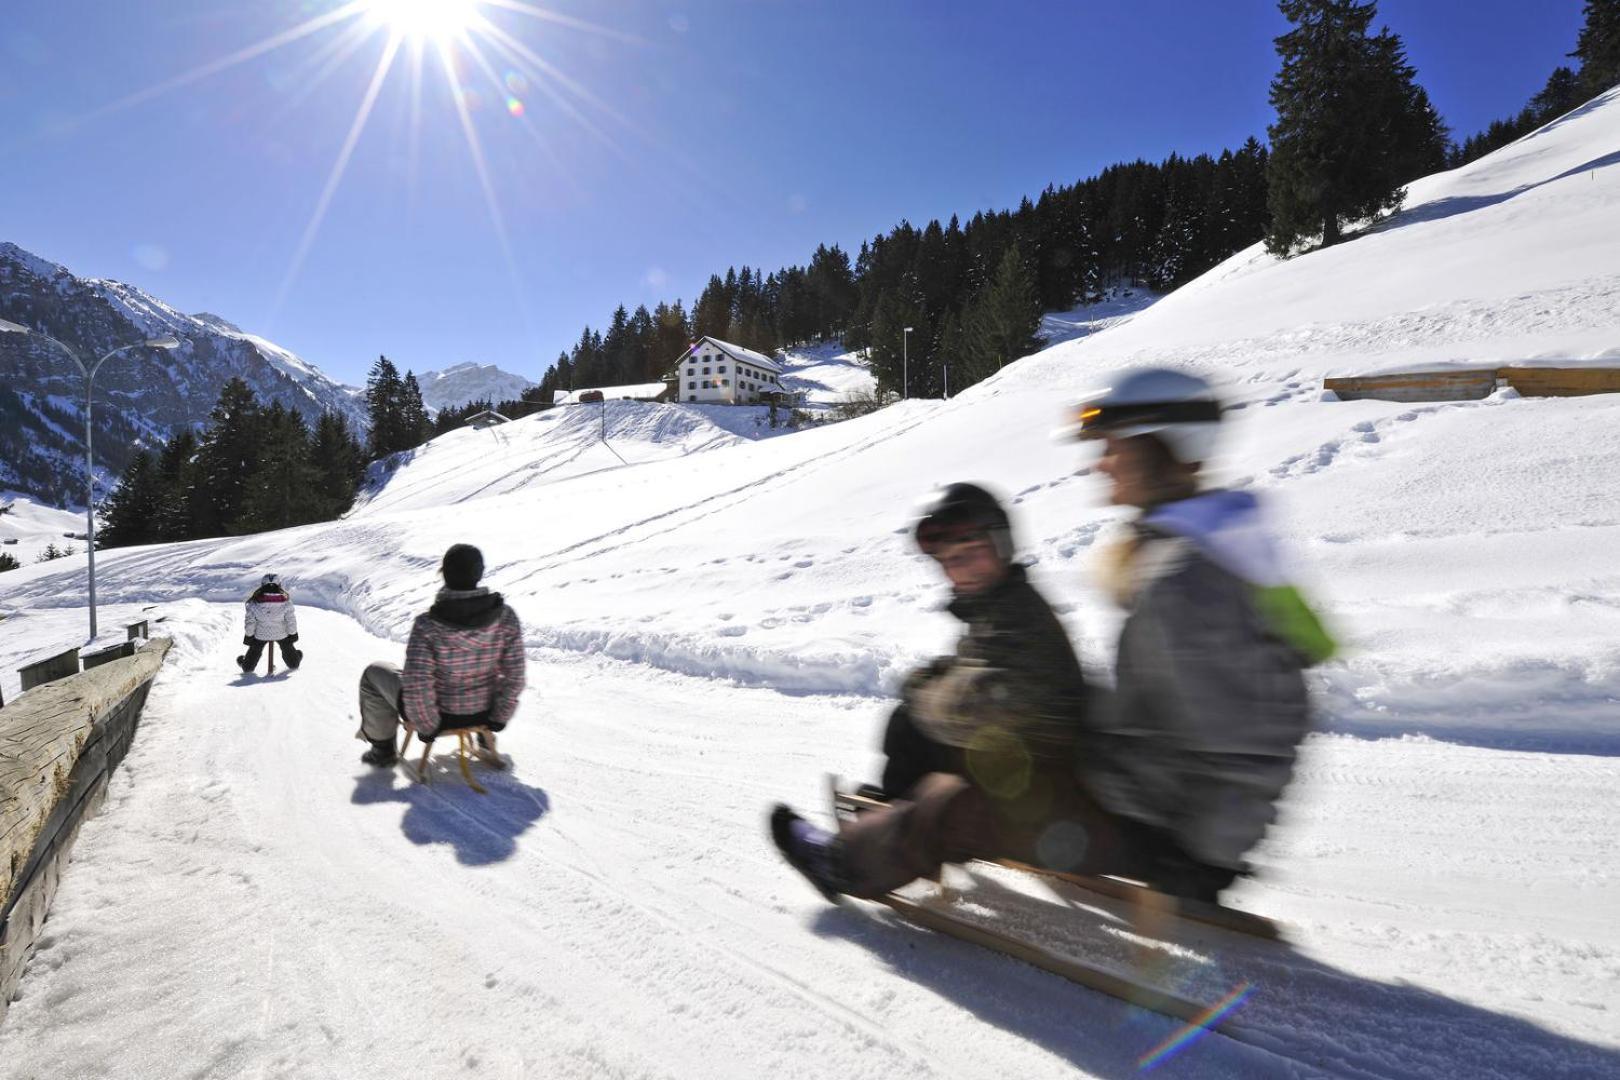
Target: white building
x=718, y=372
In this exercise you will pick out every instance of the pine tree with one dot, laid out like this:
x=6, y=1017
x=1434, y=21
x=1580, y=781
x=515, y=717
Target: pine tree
x=1352, y=124
x=176, y=478
x=1598, y=47
x=339, y=462
x=1001, y=323
x=281, y=490
x=8, y=561
x=129, y=514
x=384, y=401
x=227, y=454
x=415, y=425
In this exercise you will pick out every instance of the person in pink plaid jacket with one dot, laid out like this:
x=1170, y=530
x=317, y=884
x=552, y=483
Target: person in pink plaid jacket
x=464, y=665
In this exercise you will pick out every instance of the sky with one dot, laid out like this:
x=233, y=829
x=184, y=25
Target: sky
x=612, y=152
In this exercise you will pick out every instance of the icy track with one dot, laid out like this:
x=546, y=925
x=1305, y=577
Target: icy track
x=254, y=902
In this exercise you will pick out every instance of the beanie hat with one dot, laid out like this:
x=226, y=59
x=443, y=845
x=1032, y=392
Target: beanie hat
x=463, y=566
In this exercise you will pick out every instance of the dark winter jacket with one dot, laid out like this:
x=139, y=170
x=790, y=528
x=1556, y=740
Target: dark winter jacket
x=464, y=664
x=1012, y=692
x=270, y=615
x=1200, y=735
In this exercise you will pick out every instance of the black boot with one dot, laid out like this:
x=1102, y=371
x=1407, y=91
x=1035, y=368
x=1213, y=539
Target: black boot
x=241, y=662
x=813, y=852
x=382, y=754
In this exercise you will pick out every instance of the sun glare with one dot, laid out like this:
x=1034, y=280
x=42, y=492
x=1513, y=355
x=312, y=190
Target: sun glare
x=437, y=21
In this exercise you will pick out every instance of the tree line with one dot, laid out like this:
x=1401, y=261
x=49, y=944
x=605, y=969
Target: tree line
x=249, y=469
x=1353, y=127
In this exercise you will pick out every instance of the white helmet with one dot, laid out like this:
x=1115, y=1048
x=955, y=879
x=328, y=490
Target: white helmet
x=268, y=579
x=1180, y=410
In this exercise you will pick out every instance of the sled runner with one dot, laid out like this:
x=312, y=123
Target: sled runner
x=467, y=744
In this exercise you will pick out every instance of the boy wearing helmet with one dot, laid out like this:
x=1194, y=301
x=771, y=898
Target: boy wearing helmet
x=269, y=618
x=998, y=720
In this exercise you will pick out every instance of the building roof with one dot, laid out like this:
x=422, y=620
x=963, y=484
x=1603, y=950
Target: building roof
x=737, y=352
x=636, y=392
x=488, y=414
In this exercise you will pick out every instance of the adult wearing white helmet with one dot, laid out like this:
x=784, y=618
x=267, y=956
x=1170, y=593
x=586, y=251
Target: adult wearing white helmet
x=269, y=619
x=1199, y=737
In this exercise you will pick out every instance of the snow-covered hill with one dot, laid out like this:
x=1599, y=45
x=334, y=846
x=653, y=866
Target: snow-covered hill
x=711, y=630
x=826, y=374
x=461, y=383
x=142, y=396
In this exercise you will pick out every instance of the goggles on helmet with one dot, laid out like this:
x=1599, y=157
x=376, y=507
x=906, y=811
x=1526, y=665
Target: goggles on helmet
x=1095, y=419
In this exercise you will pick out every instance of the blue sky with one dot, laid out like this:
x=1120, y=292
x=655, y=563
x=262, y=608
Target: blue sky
x=691, y=136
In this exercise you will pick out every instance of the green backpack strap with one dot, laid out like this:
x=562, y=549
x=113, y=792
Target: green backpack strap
x=1286, y=614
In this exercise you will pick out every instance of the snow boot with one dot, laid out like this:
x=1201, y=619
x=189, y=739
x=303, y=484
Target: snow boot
x=241, y=662
x=812, y=851
x=382, y=754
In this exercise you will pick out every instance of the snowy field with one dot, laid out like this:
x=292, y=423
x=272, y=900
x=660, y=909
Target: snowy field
x=714, y=621
x=28, y=528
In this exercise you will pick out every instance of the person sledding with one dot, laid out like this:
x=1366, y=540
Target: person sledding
x=270, y=620
x=1179, y=771
x=999, y=720
x=464, y=666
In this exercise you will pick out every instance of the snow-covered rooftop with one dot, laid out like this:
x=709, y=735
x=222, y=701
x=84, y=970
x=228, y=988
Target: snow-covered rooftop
x=634, y=392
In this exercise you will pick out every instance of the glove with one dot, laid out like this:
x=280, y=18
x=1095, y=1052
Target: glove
x=495, y=727
x=247, y=639
x=292, y=639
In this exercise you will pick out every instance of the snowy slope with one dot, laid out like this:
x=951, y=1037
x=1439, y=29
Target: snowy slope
x=1447, y=859
x=27, y=528
x=827, y=373
x=461, y=383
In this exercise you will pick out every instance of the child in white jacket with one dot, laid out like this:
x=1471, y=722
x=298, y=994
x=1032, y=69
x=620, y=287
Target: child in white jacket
x=270, y=618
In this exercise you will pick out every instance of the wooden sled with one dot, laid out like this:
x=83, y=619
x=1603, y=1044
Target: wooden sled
x=1152, y=911
x=466, y=745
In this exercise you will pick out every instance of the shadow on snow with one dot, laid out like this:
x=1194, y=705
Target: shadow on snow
x=483, y=829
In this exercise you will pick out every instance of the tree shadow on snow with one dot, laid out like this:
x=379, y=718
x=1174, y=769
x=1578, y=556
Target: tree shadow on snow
x=1302, y=1017
x=483, y=829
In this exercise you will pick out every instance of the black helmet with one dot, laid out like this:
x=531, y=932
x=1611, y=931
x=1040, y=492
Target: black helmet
x=962, y=512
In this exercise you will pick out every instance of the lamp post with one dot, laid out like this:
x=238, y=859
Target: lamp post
x=905, y=363
x=167, y=341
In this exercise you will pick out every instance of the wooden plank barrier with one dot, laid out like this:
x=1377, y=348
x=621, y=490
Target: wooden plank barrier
x=1474, y=384
x=59, y=744
x=50, y=669
x=120, y=651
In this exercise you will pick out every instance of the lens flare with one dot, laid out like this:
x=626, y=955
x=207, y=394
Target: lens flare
x=424, y=20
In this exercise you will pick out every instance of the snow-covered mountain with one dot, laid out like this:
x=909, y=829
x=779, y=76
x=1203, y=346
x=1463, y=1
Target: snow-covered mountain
x=461, y=383
x=142, y=396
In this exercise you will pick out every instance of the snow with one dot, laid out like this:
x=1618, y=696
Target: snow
x=827, y=374
x=632, y=392
x=714, y=620
x=1115, y=309
x=33, y=526
x=747, y=356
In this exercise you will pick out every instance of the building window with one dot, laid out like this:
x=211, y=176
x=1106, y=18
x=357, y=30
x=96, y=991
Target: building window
x=721, y=369
x=691, y=386
x=705, y=371
x=691, y=397
x=725, y=382
x=691, y=371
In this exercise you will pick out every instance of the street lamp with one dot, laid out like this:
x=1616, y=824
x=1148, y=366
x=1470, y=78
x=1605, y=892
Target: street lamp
x=905, y=363
x=167, y=341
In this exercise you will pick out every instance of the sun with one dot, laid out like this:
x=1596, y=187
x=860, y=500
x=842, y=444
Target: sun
x=436, y=21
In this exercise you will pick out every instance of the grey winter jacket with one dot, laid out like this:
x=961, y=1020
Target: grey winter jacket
x=1200, y=734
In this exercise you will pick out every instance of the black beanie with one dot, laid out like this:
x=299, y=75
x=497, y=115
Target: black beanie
x=463, y=566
